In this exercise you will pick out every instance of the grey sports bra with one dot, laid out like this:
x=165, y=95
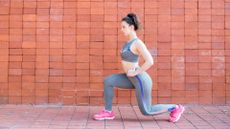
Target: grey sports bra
x=127, y=54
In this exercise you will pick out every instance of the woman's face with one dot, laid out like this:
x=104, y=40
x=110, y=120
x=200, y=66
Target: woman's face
x=126, y=28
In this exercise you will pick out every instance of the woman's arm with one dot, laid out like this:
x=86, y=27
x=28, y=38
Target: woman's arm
x=148, y=60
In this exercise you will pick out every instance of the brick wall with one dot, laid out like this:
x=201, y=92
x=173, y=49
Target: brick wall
x=59, y=51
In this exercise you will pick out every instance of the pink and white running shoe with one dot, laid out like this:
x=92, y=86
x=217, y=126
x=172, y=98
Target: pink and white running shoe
x=176, y=113
x=104, y=115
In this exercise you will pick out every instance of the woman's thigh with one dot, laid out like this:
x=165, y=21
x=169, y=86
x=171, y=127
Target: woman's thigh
x=119, y=80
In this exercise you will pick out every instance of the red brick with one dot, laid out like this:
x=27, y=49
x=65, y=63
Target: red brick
x=178, y=93
x=205, y=31
x=28, y=71
x=192, y=100
x=166, y=79
x=96, y=101
x=218, y=4
x=41, y=78
x=82, y=11
x=205, y=79
x=15, y=58
x=164, y=33
x=41, y=100
x=69, y=79
x=164, y=86
x=205, y=100
x=65, y=66
x=55, y=79
x=16, y=11
x=205, y=86
x=69, y=72
x=27, y=93
x=82, y=72
x=42, y=65
x=219, y=100
x=83, y=93
x=163, y=72
x=218, y=25
x=30, y=4
x=15, y=71
x=96, y=86
x=53, y=87
x=14, y=92
x=191, y=93
x=124, y=93
x=14, y=78
x=29, y=10
x=205, y=52
x=178, y=100
x=110, y=65
x=82, y=65
x=190, y=79
x=191, y=85
x=15, y=31
x=218, y=79
x=81, y=79
x=204, y=4
x=69, y=100
x=43, y=4
x=84, y=4
x=15, y=99
x=42, y=13
x=218, y=65
x=178, y=65
x=165, y=100
x=218, y=72
x=205, y=59
x=178, y=86
x=204, y=72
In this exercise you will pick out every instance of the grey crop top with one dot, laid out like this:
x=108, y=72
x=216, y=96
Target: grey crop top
x=127, y=54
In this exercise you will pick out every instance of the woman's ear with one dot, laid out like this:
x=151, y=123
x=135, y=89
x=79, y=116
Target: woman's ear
x=132, y=27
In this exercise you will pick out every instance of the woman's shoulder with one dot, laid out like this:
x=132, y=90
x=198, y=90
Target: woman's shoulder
x=139, y=42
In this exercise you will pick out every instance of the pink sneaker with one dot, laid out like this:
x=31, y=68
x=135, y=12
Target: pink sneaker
x=104, y=115
x=176, y=113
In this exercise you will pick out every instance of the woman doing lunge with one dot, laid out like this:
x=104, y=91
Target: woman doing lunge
x=135, y=76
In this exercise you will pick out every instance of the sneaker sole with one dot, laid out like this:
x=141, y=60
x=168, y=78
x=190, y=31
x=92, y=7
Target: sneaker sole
x=183, y=109
x=105, y=118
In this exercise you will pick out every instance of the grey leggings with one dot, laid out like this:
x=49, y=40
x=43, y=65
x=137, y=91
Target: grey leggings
x=142, y=83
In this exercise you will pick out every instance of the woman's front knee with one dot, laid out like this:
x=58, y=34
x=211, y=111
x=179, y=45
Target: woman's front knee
x=108, y=81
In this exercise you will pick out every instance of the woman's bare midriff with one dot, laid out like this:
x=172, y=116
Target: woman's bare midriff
x=129, y=65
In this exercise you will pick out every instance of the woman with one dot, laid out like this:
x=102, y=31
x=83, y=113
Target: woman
x=135, y=77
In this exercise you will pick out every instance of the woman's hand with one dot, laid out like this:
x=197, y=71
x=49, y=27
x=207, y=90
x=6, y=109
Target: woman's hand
x=132, y=72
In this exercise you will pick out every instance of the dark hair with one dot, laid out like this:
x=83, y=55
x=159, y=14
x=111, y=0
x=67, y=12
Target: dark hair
x=132, y=19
